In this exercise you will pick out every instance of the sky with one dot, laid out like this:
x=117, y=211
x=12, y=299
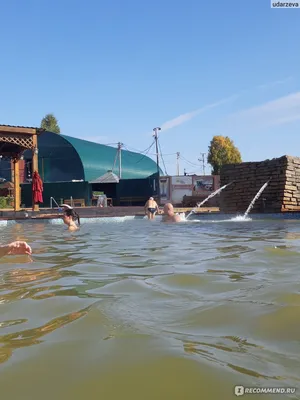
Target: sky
x=111, y=71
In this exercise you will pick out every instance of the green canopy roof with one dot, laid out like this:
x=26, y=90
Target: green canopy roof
x=97, y=159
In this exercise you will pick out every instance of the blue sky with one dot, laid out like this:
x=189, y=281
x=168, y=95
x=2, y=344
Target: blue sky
x=113, y=70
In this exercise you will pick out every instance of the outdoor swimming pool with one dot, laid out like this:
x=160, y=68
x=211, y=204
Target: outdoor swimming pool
x=127, y=308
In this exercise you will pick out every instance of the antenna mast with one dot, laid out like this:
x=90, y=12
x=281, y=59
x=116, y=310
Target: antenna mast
x=178, y=156
x=120, y=158
x=203, y=162
x=157, y=158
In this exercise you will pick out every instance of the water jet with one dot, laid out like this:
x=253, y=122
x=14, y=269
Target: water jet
x=207, y=198
x=256, y=197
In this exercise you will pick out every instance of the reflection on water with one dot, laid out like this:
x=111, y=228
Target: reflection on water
x=143, y=310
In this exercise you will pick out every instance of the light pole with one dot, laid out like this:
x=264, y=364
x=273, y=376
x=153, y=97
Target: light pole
x=203, y=162
x=177, y=157
x=157, y=159
x=120, y=158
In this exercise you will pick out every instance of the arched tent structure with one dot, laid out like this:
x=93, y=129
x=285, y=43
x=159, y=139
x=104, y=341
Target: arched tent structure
x=65, y=158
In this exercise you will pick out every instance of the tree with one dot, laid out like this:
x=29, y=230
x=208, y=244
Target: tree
x=222, y=151
x=50, y=123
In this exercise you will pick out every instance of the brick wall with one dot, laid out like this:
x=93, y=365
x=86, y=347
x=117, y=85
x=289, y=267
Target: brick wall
x=281, y=194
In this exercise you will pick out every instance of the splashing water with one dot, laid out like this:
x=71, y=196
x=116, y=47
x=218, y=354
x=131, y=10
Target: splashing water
x=245, y=216
x=240, y=218
x=207, y=198
x=255, y=198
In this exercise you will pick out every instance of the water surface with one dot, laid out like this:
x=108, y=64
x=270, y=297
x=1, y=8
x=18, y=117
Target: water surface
x=142, y=310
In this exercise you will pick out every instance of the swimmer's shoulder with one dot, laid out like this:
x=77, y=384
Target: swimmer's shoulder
x=73, y=228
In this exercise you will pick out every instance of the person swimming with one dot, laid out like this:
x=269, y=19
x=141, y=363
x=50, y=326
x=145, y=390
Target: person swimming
x=151, y=208
x=169, y=215
x=70, y=217
x=15, y=248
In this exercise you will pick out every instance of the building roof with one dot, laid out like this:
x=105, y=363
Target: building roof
x=21, y=129
x=97, y=159
x=21, y=126
x=109, y=177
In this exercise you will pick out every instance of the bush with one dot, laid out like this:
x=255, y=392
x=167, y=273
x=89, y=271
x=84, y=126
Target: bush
x=6, y=202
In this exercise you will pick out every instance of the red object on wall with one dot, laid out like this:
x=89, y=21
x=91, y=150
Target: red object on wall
x=37, y=188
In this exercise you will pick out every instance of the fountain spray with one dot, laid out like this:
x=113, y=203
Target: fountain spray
x=207, y=198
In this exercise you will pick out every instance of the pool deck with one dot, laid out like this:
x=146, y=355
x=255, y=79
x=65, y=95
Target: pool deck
x=90, y=212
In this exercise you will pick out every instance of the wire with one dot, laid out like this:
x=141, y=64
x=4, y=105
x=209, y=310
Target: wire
x=189, y=162
x=107, y=144
x=143, y=151
x=165, y=155
x=146, y=153
x=115, y=160
x=138, y=151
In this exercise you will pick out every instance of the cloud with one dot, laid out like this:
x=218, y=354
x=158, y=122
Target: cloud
x=275, y=83
x=284, y=110
x=189, y=115
x=192, y=114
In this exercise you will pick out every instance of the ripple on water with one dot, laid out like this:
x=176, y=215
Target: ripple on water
x=139, y=304
x=279, y=324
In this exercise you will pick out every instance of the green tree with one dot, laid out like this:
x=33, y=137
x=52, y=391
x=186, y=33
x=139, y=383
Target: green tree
x=50, y=123
x=222, y=151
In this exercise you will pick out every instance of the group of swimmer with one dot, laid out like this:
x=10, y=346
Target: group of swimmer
x=72, y=220
x=151, y=209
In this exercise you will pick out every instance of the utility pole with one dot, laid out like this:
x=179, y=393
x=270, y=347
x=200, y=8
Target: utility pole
x=178, y=156
x=157, y=160
x=120, y=158
x=203, y=162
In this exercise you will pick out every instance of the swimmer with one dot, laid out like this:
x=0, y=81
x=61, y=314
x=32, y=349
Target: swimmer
x=169, y=215
x=15, y=248
x=70, y=217
x=151, y=208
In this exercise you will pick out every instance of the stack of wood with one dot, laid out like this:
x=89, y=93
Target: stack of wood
x=281, y=194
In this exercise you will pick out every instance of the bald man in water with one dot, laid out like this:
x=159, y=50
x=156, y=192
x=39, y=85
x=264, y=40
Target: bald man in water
x=169, y=215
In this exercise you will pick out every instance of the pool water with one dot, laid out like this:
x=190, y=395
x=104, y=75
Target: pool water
x=128, y=308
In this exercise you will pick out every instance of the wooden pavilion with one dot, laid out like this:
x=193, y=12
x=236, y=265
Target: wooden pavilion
x=14, y=140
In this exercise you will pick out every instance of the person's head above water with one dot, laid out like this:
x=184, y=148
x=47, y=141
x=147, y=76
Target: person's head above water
x=70, y=216
x=169, y=215
x=168, y=208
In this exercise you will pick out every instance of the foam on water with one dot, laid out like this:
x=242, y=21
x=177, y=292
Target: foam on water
x=3, y=223
x=240, y=218
x=59, y=221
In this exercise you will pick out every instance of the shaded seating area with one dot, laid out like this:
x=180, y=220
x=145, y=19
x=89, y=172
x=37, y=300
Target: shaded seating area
x=14, y=141
x=7, y=189
x=105, y=185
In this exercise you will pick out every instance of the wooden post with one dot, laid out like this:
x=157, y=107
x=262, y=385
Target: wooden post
x=12, y=168
x=35, y=166
x=17, y=189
